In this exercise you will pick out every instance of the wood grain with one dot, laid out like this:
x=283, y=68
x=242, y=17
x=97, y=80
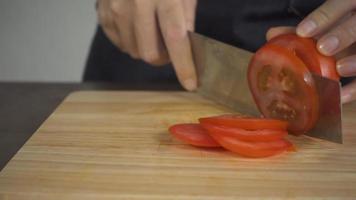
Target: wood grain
x=115, y=145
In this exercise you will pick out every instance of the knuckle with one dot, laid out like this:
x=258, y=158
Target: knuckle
x=150, y=57
x=170, y=6
x=132, y=51
x=348, y=31
x=175, y=33
x=352, y=27
x=115, y=7
x=190, y=24
x=134, y=54
x=322, y=16
x=351, y=31
x=104, y=22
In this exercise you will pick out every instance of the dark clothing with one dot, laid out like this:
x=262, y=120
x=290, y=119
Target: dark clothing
x=242, y=23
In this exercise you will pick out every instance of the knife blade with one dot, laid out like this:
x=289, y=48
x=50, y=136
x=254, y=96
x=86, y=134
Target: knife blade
x=222, y=77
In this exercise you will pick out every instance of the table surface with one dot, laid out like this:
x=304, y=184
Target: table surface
x=116, y=145
x=24, y=107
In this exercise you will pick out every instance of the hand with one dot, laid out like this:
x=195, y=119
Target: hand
x=154, y=31
x=333, y=24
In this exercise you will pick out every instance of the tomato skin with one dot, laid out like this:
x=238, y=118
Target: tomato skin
x=294, y=97
x=263, y=135
x=305, y=49
x=328, y=67
x=252, y=149
x=243, y=122
x=193, y=134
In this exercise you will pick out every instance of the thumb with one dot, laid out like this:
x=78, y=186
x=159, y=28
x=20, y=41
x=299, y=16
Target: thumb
x=279, y=30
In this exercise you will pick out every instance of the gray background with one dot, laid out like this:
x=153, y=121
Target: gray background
x=45, y=40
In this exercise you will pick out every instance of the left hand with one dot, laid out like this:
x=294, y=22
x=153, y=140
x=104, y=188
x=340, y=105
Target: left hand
x=333, y=24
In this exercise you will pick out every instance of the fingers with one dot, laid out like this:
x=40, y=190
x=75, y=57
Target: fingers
x=107, y=23
x=339, y=38
x=347, y=66
x=275, y=31
x=124, y=23
x=155, y=31
x=149, y=41
x=174, y=30
x=348, y=93
x=189, y=7
x=324, y=17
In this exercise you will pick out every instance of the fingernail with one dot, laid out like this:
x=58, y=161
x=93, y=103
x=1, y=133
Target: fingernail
x=190, y=84
x=347, y=67
x=328, y=45
x=306, y=28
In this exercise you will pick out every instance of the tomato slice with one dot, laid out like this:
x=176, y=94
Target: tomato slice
x=243, y=122
x=328, y=67
x=283, y=88
x=305, y=49
x=263, y=135
x=252, y=149
x=193, y=134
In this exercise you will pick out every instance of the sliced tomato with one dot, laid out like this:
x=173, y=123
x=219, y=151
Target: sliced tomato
x=243, y=122
x=253, y=149
x=193, y=134
x=283, y=88
x=263, y=135
x=305, y=49
x=328, y=67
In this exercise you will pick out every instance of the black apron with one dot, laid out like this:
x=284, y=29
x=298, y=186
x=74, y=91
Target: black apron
x=242, y=23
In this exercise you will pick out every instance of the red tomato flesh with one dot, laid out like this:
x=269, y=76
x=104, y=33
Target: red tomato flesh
x=243, y=122
x=263, y=135
x=305, y=49
x=252, y=149
x=193, y=134
x=283, y=88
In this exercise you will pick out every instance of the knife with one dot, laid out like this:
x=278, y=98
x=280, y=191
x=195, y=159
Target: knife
x=222, y=77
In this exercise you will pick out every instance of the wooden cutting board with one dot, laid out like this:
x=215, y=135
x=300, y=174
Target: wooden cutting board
x=115, y=145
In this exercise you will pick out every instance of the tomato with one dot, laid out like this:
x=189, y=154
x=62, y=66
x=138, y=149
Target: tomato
x=263, y=135
x=283, y=88
x=193, y=134
x=243, y=122
x=328, y=67
x=252, y=149
x=305, y=49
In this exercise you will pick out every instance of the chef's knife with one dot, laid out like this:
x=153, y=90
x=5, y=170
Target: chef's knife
x=222, y=77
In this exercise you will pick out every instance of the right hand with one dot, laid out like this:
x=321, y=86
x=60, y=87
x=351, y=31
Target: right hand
x=155, y=31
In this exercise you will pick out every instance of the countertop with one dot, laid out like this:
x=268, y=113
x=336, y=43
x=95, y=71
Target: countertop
x=116, y=145
x=24, y=107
